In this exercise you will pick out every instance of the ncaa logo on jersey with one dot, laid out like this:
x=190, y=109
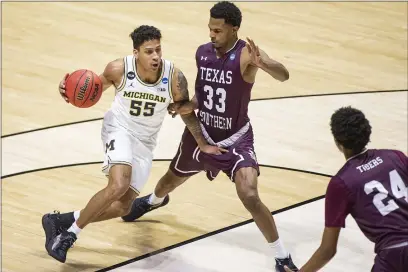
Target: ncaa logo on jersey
x=232, y=57
x=165, y=80
x=131, y=75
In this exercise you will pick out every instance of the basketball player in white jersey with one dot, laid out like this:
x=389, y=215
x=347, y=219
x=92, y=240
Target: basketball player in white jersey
x=145, y=86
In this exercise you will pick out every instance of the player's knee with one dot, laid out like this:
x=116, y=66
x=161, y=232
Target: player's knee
x=117, y=189
x=247, y=190
x=118, y=184
x=250, y=200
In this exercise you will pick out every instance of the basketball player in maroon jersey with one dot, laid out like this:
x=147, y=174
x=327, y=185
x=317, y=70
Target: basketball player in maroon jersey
x=372, y=187
x=226, y=70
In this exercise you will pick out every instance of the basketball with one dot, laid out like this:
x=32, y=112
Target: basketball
x=83, y=88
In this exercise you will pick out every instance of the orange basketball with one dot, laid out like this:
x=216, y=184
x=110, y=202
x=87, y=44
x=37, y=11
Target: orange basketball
x=83, y=88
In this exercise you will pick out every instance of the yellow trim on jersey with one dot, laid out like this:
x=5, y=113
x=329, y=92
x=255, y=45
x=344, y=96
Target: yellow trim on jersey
x=123, y=84
x=171, y=81
x=157, y=82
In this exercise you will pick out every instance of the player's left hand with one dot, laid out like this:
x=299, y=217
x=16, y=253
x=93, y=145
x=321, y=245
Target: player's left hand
x=211, y=149
x=287, y=269
x=254, y=53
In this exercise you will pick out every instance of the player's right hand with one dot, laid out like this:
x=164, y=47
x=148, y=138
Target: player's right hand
x=211, y=149
x=61, y=88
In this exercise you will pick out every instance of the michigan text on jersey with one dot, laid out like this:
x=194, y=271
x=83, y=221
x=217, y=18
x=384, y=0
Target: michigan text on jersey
x=146, y=96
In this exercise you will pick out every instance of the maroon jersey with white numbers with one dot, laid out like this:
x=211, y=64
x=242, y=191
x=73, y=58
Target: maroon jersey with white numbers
x=372, y=187
x=223, y=95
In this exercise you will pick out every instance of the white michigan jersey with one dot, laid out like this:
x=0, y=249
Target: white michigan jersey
x=141, y=107
x=131, y=126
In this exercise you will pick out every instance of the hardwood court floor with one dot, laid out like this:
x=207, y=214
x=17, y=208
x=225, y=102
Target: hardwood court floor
x=327, y=47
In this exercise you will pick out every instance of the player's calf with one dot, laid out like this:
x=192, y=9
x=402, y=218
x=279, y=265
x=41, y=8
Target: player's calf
x=159, y=198
x=119, y=181
x=246, y=182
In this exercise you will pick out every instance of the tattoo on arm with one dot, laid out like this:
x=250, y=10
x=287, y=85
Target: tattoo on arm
x=182, y=86
x=190, y=119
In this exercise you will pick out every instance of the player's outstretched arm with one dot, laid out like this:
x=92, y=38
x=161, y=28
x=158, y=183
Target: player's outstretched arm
x=324, y=253
x=258, y=58
x=113, y=73
x=180, y=95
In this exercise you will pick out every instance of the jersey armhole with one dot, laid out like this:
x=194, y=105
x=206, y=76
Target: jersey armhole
x=170, y=81
x=123, y=81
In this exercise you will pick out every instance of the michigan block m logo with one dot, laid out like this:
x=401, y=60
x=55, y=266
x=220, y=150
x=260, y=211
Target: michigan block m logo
x=110, y=146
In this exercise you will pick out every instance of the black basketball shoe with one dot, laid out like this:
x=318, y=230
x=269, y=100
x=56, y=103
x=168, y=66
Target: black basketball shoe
x=51, y=223
x=141, y=206
x=280, y=264
x=58, y=247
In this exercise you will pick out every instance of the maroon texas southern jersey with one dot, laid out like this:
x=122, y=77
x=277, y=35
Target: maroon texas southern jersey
x=223, y=95
x=372, y=187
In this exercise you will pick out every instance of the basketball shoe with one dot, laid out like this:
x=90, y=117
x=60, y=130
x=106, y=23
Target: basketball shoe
x=141, y=206
x=280, y=264
x=58, y=246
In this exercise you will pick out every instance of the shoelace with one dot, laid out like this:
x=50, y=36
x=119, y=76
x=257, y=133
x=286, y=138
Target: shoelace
x=67, y=242
x=53, y=228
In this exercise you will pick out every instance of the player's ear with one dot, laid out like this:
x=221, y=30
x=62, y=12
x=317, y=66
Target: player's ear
x=136, y=53
x=235, y=29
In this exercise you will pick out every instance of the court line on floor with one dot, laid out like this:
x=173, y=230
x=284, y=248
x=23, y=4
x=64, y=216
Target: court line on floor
x=177, y=245
x=253, y=100
x=205, y=236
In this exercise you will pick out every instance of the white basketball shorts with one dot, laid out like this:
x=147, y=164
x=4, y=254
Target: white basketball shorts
x=121, y=147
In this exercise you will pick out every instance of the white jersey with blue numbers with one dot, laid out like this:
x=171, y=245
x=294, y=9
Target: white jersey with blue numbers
x=139, y=107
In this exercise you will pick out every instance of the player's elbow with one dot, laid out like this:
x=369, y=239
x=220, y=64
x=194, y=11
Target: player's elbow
x=284, y=74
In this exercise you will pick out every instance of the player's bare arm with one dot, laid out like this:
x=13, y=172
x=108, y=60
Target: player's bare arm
x=180, y=95
x=324, y=253
x=253, y=58
x=183, y=107
x=112, y=75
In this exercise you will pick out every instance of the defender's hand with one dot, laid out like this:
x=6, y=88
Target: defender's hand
x=61, y=88
x=210, y=149
x=254, y=53
x=180, y=108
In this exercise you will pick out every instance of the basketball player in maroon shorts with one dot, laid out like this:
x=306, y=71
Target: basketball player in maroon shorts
x=226, y=71
x=372, y=187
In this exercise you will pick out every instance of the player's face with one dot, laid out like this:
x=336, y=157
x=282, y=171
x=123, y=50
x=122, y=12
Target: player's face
x=149, y=55
x=221, y=33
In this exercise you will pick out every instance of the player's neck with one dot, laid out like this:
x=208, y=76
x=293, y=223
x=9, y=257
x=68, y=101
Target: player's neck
x=348, y=154
x=229, y=46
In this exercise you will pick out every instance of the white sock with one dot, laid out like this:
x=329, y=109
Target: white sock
x=76, y=215
x=75, y=229
x=279, y=249
x=154, y=200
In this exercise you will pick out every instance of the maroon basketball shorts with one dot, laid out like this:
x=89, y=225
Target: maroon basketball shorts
x=189, y=160
x=391, y=260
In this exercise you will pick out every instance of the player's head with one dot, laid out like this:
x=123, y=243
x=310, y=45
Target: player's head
x=147, y=47
x=225, y=20
x=351, y=130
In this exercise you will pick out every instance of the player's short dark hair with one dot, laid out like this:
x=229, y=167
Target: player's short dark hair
x=350, y=128
x=227, y=11
x=143, y=34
